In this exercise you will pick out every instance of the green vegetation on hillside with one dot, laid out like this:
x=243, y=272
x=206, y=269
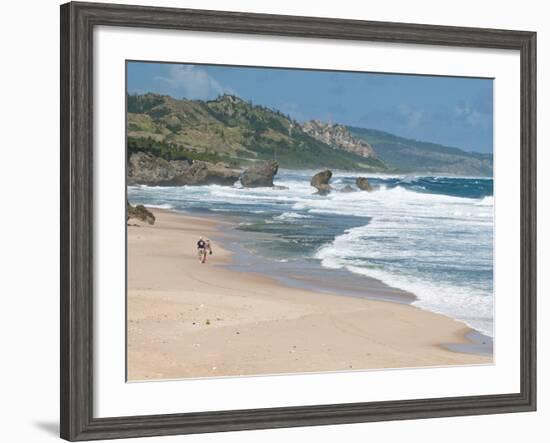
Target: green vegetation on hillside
x=170, y=151
x=412, y=156
x=231, y=130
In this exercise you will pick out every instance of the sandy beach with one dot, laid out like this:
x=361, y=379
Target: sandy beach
x=187, y=319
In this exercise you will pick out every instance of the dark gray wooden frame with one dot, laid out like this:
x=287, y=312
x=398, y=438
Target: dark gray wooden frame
x=77, y=24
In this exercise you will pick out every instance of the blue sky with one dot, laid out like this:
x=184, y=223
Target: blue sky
x=448, y=110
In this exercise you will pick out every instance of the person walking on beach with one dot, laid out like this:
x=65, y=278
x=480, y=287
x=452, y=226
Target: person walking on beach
x=201, y=249
x=208, y=247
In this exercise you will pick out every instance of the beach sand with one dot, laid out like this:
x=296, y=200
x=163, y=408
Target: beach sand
x=187, y=319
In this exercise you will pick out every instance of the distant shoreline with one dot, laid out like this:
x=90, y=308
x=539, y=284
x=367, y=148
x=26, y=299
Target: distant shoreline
x=186, y=319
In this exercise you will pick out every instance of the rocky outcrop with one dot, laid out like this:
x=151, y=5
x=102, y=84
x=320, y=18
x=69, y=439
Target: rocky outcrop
x=144, y=168
x=320, y=181
x=363, y=184
x=348, y=188
x=339, y=137
x=147, y=169
x=260, y=174
x=204, y=173
x=139, y=212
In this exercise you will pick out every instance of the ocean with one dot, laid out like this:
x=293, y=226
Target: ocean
x=429, y=236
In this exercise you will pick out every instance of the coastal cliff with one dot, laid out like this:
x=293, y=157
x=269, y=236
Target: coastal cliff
x=148, y=169
x=339, y=137
x=144, y=168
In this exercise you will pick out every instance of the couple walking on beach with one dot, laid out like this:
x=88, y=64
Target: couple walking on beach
x=204, y=248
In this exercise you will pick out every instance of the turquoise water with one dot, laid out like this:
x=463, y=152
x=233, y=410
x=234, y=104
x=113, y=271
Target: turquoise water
x=431, y=236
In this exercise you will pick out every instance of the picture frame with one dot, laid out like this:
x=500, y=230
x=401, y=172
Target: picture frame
x=78, y=21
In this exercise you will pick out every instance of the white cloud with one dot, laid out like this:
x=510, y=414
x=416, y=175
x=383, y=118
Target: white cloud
x=413, y=117
x=469, y=114
x=191, y=82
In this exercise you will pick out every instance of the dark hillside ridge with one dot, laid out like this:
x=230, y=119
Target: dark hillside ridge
x=417, y=157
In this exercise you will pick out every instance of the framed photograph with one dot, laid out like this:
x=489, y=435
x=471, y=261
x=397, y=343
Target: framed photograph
x=273, y=221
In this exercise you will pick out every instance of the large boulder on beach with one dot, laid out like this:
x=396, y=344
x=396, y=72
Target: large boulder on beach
x=140, y=213
x=147, y=169
x=363, y=184
x=259, y=174
x=320, y=181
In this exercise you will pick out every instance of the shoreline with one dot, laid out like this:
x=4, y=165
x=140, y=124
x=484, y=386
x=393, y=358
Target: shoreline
x=342, y=286
x=255, y=323
x=480, y=343
x=317, y=279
